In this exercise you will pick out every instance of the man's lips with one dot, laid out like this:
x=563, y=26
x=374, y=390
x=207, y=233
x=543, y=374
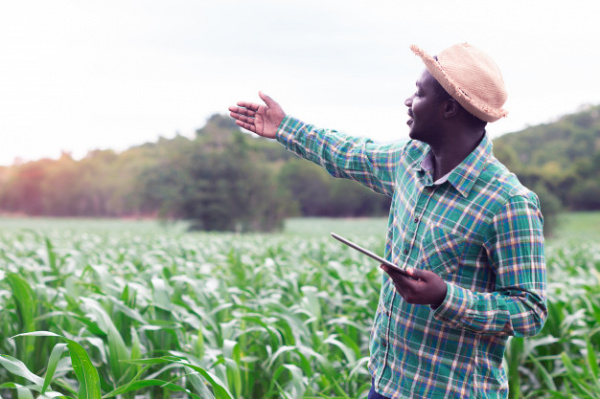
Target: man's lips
x=410, y=114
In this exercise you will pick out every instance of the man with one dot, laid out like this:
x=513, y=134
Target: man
x=469, y=233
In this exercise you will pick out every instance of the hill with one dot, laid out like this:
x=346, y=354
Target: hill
x=561, y=157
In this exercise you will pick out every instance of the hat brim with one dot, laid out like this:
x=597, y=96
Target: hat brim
x=481, y=111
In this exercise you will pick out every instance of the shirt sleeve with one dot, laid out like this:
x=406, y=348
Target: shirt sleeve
x=517, y=306
x=356, y=158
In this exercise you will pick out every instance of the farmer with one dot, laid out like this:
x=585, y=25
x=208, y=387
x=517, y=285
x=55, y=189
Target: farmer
x=467, y=230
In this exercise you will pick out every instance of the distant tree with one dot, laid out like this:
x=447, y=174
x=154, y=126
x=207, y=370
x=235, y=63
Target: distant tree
x=551, y=206
x=308, y=186
x=585, y=196
x=315, y=193
x=353, y=200
x=507, y=155
x=218, y=183
x=223, y=178
x=60, y=188
x=563, y=156
x=24, y=188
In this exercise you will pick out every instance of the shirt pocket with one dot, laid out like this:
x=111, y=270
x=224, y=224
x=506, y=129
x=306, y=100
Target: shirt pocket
x=441, y=251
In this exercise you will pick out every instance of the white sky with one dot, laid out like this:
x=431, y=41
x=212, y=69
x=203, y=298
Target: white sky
x=81, y=75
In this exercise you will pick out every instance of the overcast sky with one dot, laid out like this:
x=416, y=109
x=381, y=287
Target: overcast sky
x=80, y=75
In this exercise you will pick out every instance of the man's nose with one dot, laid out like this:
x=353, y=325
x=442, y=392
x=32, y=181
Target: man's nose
x=408, y=101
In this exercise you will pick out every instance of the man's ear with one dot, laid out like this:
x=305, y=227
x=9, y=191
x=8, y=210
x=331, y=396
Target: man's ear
x=451, y=108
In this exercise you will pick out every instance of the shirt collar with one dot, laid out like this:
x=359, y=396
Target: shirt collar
x=465, y=174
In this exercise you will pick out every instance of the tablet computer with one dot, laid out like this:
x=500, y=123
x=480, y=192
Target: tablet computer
x=369, y=253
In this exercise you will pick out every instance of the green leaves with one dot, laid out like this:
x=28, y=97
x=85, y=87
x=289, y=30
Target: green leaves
x=154, y=312
x=52, y=364
x=17, y=367
x=25, y=300
x=87, y=375
x=117, y=350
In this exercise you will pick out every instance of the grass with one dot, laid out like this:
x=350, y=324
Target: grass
x=577, y=227
x=321, y=227
x=572, y=226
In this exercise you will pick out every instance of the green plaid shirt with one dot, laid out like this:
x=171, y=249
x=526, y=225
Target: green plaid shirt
x=478, y=228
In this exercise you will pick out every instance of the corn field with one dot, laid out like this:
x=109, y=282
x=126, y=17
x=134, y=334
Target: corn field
x=123, y=312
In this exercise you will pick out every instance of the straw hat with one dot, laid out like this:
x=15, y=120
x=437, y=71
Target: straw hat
x=471, y=77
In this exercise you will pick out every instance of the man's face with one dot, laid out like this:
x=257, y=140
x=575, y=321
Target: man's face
x=425, y=110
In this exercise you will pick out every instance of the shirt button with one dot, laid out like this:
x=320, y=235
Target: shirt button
x=416, y=220
x=405, y=252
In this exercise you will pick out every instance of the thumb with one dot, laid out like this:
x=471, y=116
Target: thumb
x=417, y=274
x=268, y=100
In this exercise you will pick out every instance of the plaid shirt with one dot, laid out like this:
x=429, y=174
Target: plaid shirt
x=478, y=228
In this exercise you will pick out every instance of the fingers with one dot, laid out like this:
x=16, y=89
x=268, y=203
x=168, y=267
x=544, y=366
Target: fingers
x=260, y=119
x=253, y=106
x=244, y=115
x=249, y=106
x=239, y=116
x=419, y=287
x=400, y=280
x=388, y=270
x=244, y=111
x=403, y=282
x=416, y=274
x=268, y=100
x=247, y=126
x=410, y=272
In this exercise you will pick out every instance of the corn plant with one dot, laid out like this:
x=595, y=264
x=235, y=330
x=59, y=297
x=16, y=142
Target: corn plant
x=141, y=311
x=168, y=314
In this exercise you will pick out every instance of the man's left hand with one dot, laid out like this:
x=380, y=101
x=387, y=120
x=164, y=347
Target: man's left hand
x=422, y=287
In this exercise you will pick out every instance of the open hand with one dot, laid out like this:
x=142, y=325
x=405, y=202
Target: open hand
x=422, y=287
x=260, y=119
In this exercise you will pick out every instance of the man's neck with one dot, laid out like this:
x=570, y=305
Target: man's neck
x=447, y=156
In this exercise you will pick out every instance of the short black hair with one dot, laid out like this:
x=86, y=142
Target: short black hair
x=440, y=92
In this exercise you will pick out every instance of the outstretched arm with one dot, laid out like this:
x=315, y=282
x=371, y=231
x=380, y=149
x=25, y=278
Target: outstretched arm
x=343, y=156
x=260, y=119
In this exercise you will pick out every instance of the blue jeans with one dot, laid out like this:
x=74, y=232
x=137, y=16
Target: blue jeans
x=373, y=394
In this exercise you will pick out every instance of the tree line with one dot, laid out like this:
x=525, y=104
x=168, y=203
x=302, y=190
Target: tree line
x=558, y=160
x=221, y=179
x=224, y=179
